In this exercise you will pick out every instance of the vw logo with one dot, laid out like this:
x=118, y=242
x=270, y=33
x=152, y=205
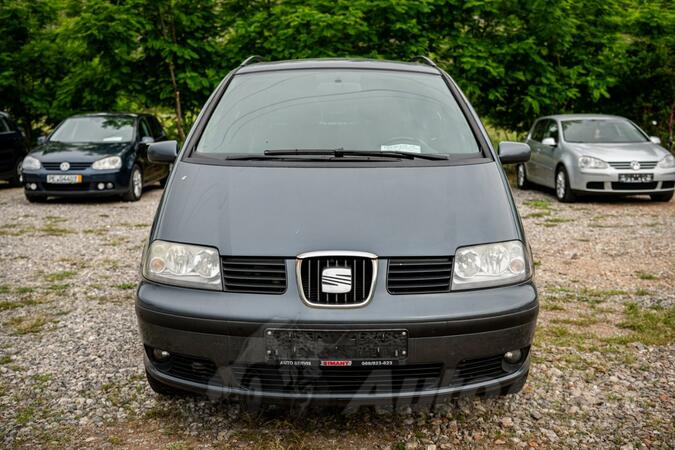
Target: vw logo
x=336, y=280
x=64, y=166
x=635, y=165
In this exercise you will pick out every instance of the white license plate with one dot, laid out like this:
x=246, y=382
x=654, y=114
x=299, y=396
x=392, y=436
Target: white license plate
x=64, y=179
x=635, y=177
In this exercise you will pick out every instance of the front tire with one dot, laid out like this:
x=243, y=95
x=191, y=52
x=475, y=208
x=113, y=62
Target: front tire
x=563, y=191
x=36, y=198
x=135, y=190
x=16, y=180
x=661, y=196
x=521, y=177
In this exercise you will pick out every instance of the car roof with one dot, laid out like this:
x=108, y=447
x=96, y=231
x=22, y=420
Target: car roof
x=582, y=116
x=338, y=63
x=109, y=114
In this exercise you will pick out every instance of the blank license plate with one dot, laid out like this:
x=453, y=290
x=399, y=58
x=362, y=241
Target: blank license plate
x=635, y=177
x=64, y=179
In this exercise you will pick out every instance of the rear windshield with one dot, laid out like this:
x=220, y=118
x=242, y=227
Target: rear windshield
x=369, y=110
x=95, y=129
x=597, y=131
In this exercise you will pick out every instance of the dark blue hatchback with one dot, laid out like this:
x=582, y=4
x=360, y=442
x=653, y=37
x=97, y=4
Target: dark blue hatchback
x=99, y=154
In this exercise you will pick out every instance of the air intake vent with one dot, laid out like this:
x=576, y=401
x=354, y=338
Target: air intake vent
x=419, y=275
x=349, y=285
x=73, y=166
x=254, y=275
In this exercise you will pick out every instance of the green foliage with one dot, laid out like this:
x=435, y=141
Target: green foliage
x=515, y=59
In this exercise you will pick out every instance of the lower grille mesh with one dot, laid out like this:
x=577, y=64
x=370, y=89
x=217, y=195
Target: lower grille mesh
x=419, y=275
x=254, y=275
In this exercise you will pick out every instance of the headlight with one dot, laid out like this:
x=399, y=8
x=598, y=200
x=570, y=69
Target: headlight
x=667, y=163
x=182, y=265
x=588, y=162
x=109, y=163
x=30, y=163
x=490, y=265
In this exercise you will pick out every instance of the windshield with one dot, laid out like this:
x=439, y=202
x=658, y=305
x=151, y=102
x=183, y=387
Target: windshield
x=95, y=129
x=364, y=110
x=597, y=131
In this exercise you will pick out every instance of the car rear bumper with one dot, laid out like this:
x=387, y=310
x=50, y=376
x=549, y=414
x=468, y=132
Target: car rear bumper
x=445, y=357
x=607, y=181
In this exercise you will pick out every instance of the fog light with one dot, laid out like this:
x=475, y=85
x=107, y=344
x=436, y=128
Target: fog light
x=32, y=186
x=513, y=356
x=160, y=355
x=100, y=186
x=109, y=185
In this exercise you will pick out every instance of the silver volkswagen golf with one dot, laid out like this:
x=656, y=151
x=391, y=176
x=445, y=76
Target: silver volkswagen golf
x=583, y=153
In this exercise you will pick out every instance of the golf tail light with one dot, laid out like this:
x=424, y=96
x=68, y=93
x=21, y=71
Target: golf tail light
x=490, y=265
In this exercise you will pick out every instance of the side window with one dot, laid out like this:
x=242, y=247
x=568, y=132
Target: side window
x=551, y=130
x=157, y=130
x=144, y=128
x=4, y=126
x=538, y=131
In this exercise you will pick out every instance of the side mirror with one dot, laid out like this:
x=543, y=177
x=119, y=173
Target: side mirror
x=549, y=141
x=164, y=152
x=655, y=140
x=42, y=140
x=147, y=140
x=513, y=152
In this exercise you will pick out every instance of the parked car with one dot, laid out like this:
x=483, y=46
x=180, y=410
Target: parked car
x=99, y=154
x=600, y=154
x=12, y=150
x=342, y=231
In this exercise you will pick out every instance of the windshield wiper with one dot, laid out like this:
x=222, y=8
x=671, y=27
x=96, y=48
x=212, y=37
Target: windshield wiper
x=341, y=153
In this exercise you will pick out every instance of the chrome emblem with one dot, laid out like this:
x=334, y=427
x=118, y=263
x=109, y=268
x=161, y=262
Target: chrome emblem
x=635, y=165
x=64, y=166
x=336, y=280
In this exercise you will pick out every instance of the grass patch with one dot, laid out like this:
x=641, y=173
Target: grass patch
x=25, y=415
x=58, y=288
x=53, y=230
x=557, y=220
x=60, y=276
x=4, y=289
x=651, y=326
x=96, y=231
x=126, y=286
x=539, y=204
x=24, y=290
x=28, y=324
x=646, y=275
x=7, y=305
x=642, y=292
x=5, y=359
x=537, y=215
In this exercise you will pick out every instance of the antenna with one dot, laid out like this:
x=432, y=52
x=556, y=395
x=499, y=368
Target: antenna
x=251, y=60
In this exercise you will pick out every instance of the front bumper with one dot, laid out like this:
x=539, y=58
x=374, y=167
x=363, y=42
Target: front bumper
x=87, y=188
x=217, y=356
x=607, y=181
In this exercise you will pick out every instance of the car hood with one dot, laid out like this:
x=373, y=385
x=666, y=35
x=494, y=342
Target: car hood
x=76, y=152
x=286, y=211
x=641, y=151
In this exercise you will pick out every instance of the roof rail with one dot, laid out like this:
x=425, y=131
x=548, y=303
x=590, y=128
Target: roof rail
x=424, y=60
x=251, y=60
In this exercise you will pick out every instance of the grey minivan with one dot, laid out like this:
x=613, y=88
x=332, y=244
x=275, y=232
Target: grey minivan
x=337, y=231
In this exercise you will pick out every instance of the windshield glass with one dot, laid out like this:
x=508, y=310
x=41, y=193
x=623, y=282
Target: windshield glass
x=597, y=131
x=366, y=110
x=95, y=129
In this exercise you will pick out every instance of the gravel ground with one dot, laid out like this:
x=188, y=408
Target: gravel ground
x=603, y=371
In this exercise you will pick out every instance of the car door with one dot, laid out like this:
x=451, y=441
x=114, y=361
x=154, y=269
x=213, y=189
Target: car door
x=533, y=166
x=9, y=146
x=548, y=154
x=159, y=135
x=149, y=169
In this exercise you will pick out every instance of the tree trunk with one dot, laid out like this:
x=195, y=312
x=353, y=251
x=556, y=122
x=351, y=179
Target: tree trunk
x=172, y=71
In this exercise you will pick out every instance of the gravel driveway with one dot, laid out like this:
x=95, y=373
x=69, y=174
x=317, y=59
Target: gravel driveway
x=71, y=369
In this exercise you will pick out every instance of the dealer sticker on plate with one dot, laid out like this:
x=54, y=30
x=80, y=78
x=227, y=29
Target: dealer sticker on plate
x=64, y=179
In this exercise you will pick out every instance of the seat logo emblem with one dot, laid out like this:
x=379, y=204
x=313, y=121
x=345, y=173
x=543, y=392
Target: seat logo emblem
x=635, y=165
x=64, y=166
x=336, y=280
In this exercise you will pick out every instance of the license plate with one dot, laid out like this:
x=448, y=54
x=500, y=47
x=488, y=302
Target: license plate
x=64, y=179
x=374, y=348
x=635, y=177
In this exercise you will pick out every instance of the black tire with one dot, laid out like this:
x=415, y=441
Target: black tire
x=661, y=196
x=563, y=193
x=521, y=177
x=36, y=198
x=16, y=181
x=133, y=193
x=163, y=389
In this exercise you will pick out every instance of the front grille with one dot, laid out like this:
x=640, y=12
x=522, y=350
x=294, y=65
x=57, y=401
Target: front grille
x=78, y=187
x=419, y=275
x=667, y=184
x=189, y=368
x=626, y=165
x=254, y=275
x=337, y=380
x=362, y=279
x=57, y=166
x=633, y=186
x=471, y=371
